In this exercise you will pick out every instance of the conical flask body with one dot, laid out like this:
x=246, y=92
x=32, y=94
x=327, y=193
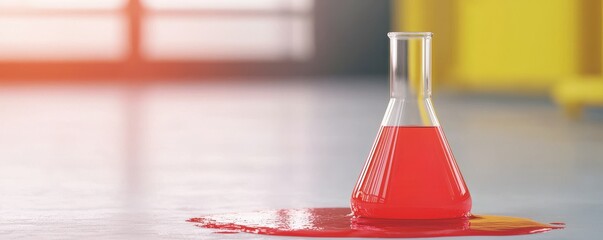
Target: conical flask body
x=410, y=172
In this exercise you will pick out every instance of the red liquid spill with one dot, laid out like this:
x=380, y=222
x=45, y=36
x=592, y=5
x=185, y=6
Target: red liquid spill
x=338, y=222
x=411, y=174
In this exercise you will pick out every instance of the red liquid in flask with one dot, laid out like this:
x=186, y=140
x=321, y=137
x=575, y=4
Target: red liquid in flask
x=411, y=174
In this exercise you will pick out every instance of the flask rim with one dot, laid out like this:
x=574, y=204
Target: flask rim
x=407, y=35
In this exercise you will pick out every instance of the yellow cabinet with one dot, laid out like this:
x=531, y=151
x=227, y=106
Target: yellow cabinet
x=528, y=46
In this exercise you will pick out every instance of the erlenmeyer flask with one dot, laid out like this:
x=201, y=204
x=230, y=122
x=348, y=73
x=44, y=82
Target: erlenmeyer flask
x=410, y=172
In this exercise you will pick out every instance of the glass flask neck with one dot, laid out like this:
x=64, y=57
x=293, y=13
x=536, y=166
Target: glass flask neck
x=410, y=80
x=410, y=65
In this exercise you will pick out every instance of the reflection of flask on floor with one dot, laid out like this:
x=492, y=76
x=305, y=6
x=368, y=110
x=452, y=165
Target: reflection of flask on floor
x=411, y=172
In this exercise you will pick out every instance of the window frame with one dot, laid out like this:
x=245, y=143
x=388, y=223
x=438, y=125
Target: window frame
x=332, y=22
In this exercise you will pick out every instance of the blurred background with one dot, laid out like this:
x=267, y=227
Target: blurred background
x=191, y=39
x=124, y=118
x=537, y=48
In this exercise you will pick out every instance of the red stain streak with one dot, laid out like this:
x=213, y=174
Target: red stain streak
x=339, y=222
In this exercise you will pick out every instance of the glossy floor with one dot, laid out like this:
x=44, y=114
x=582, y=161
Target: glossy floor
x=108, y=162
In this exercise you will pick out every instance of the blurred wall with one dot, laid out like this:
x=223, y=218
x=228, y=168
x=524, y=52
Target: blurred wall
x=352, y=37
x=508, y=46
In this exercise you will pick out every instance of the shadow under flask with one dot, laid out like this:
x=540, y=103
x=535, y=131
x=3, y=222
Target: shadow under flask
x=410, y=172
